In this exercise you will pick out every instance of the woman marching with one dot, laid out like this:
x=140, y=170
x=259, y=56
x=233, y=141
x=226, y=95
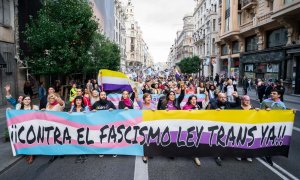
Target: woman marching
x=193, y=104
x=171, y=102
x=146, y=104
x=55, y=103
x=126, y=101
x=79, y=107
x=26, y=104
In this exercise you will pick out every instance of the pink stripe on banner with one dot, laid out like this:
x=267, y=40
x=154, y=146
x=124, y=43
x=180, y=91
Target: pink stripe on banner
x=43, y=117
x=74, y=142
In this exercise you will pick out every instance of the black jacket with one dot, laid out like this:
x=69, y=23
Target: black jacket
x=43, y=102
x=122, y=104
x=228, y=105
x=103, y=106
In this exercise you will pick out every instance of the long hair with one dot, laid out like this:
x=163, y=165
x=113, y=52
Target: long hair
x=82, y=103
x=122, y=95
x=166, y=100
x=22, y=104
x=190, y=98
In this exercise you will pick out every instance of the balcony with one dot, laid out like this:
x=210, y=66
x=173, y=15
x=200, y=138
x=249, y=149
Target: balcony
x=247, y=26
x=264, y=19
x=248, y=4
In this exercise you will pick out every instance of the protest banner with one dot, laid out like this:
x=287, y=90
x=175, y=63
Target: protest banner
x=234, y=133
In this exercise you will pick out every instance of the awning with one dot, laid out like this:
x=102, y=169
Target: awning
x=2, y=62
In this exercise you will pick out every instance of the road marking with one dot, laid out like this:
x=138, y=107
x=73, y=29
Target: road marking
x=285, y=172
x=273, y=169
x=140, y=169
x=296, y=129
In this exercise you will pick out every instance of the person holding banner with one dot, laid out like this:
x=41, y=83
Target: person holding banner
x=193, y=104
x=245, y=105
x=44, y=100
x=79, y=105
x=171, y=102
x=273, y=103
x=103, y=103
x=126, y=101
x=55, y=103
x=26, y=104
x=146, y=105
x=222, y=103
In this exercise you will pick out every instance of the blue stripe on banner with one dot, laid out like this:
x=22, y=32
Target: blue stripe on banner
x=133, y=150
x=90, y=118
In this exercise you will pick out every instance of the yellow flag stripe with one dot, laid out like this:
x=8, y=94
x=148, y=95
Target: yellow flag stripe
x=228, y=116
x=109, y=73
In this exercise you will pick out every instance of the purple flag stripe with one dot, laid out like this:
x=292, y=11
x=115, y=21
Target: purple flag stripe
x=205, y=137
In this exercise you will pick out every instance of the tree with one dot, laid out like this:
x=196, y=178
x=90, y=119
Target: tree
x=105, y=54
x=61, y=37
x=189, y=65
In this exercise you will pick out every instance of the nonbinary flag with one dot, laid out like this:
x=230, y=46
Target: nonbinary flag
x=114, y=81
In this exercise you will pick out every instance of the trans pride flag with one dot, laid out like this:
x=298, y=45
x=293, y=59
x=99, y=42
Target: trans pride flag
x=114, y=81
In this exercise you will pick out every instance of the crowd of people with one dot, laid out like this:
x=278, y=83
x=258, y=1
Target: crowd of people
x=221, y=94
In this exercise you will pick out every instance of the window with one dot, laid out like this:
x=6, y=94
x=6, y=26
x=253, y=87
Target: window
x=224, y=50
x=132, y=26
x=235, y=47
x=249, y=67
x=227, y=15
x=214, y=25
x=132, y=48
x=4, y=12
x=278, y=37
x=8, y=58
x=213, y=46
x=251, y=43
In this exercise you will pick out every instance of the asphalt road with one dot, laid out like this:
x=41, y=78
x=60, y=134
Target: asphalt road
x=126, y=167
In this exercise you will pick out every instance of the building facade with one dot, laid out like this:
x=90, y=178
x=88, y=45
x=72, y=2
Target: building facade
x=270, y=42
x=8, y=63
x=137, y=51
x=183, y=43
x=205, y=34
x=120, y=31
x=229, y=41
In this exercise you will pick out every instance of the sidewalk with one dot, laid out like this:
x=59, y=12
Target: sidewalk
x=287, y=98
x=6, y=157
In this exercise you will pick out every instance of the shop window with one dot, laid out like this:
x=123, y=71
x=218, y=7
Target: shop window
x=249, y=68
x=277, y=37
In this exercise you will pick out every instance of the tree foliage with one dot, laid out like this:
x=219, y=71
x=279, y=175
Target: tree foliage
x=189, y=65
x=105, y=54
x=63, y=39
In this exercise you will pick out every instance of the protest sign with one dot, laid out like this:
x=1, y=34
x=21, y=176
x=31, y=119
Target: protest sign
x=234, y=133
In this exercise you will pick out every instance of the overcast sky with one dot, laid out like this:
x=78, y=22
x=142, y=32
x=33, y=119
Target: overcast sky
x=159, y=21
